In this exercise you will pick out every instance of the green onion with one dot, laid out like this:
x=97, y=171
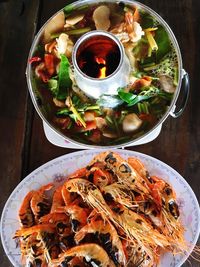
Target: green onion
x=78, y=31
x=176, y=76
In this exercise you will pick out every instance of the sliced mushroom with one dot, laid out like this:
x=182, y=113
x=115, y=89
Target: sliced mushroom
x=101, y=18
x=131, y=123
x=167, y=84
x=56, y=24
x=70, y=21
x=64, y=45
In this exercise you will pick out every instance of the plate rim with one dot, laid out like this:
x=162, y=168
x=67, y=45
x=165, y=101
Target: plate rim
x=96, y=151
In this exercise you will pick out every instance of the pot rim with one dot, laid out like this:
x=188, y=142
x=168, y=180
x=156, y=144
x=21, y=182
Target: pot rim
x=164, y=117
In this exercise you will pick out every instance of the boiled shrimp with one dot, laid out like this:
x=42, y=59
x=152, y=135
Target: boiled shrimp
x=125, y=173
x=58, y=200
x=108, y=237
x=26, y=216
x=93, y=254
x=39, y=202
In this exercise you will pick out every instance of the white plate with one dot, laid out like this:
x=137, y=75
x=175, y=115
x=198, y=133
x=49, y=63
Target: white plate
x=58, y=168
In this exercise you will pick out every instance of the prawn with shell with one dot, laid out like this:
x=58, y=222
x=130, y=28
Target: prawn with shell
x=112, y=212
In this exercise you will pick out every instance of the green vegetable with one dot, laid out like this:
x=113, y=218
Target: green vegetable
x=143, y=107
x=64, y=81
x=60, y=87
x=78, y=31
x=53, y=86
x=132, y=99
x=175, y=76
x=164, y=47
x=63, y=112
x=68, y=9
x=163, y=42
x=147, y=20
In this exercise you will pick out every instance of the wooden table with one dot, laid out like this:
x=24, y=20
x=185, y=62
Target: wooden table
x=23, y=146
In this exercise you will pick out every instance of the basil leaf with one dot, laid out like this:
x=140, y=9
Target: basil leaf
x=64, y=81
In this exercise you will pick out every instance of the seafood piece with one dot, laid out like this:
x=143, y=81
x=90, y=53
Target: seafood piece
x=167, y=84
x=54, y=218
x=101, y=18
x=80, y=173
x=120, y=193
x=89, y=193
x=108, y=237
x=67, y=196
x=50, y=47
x=93, y=254
x=78, y=212
x=26, y=216
x=38, y=244
x=131, y=123
x=100, y=177
x=78, y=215
x=38, y=229
x=133, y=28
x=125, y=173
x=58, y=200
x=130, y=222
x=138, y=166
x=64, y=45
x=39, y=202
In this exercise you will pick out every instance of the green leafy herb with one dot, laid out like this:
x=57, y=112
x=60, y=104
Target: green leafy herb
x=163, y=42
x=53, y=86
x=147, y=21
x=64, y=81
x=132, y=99
x=63, y=112
x=164, y=47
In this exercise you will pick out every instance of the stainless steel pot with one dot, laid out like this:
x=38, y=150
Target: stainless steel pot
x=183, y=79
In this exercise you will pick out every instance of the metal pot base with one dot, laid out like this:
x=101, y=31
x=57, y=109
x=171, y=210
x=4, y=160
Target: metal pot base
x=57, y=140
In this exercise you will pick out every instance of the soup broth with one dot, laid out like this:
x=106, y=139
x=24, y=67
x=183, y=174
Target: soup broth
x=111, y=119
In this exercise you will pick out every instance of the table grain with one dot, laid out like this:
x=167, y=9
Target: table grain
x=23, y=145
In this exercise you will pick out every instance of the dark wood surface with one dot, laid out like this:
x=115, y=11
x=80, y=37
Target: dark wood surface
x=23, y=146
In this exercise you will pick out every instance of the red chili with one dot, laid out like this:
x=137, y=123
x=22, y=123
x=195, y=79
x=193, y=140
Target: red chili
x=49, y=63
x=34, y=59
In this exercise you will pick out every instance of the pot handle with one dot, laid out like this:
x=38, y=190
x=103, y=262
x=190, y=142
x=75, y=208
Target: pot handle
x=186, y=88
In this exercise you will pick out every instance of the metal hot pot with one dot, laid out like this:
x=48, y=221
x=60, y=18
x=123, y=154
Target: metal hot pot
x=54, y=134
